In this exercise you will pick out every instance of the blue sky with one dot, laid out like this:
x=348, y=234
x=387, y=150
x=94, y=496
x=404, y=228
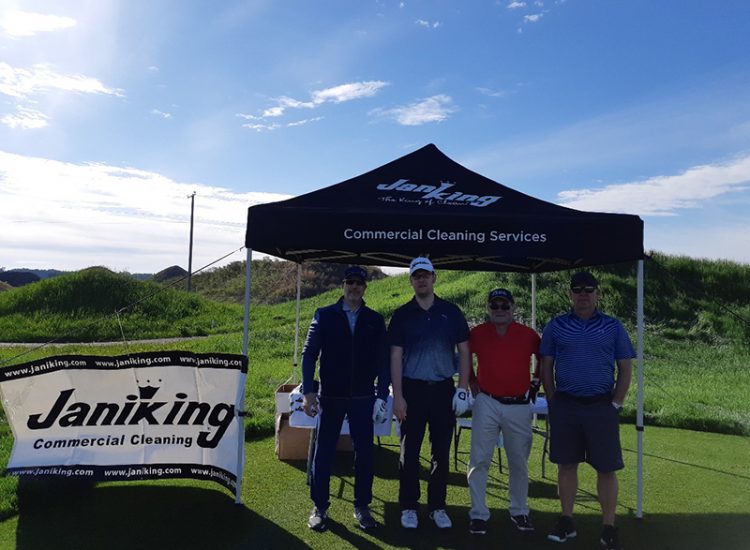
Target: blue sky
x=112, y=112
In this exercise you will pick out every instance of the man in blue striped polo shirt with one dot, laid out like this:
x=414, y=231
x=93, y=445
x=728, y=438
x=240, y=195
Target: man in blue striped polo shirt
x=579, y=352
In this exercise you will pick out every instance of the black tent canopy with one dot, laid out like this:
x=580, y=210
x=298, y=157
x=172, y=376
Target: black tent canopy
x=424, y=203
x=427, y=204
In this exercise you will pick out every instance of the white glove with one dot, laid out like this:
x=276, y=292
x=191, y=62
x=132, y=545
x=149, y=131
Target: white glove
x=380, y=412
x=461, y=402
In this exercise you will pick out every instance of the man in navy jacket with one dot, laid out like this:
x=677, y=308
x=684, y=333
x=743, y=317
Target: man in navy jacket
x=350, y=339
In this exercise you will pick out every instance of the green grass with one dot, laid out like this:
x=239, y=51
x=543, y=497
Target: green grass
x=693, y=382
x=697, y=483
x=80, y=307
x=696, y=487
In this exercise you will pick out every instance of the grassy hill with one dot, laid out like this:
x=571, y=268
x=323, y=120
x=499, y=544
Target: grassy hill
x=82, y=306
x=697, y=338
x=273, y=281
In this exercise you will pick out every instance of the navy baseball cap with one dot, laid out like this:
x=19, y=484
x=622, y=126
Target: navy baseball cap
x=583, y=278
x=355, y=272
x=500, y=293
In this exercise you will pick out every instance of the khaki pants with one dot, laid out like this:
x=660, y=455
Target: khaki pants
x=489, y=417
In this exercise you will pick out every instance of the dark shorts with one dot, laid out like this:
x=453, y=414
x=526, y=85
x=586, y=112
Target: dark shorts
x=585, y=432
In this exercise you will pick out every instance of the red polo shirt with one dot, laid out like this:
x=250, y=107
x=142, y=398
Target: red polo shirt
x=504, y=362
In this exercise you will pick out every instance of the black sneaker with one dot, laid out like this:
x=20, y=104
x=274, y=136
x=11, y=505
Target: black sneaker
x=365, y=519
x=564, y=529
x=522, y=523
x=478, y=527
x=609, y=538
x=317, y=520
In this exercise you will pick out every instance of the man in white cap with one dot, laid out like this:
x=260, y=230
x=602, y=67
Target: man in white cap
x=424, y=334
x=504, y=351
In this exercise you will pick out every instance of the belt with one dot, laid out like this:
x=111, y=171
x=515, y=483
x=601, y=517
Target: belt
x=427, y=382
x=585, y=399
x=517, y=400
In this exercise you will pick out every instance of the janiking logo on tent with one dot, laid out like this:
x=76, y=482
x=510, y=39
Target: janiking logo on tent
x=438, y=195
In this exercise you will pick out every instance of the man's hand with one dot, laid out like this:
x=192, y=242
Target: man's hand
x=461, y=403
x=534, y=387
x=380, y=412
x=310, y=404
x=399, y=407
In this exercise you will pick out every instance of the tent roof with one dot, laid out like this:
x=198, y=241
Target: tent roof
x=427, y=204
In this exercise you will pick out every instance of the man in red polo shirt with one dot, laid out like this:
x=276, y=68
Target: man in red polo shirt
x=504, y=350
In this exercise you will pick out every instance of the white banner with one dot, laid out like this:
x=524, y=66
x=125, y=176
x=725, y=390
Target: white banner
x=148, y=415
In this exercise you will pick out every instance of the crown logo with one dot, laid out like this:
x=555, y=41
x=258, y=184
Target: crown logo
x=147, y=391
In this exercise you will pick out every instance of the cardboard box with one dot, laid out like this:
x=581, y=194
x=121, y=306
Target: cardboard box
x=294, y=443
x=291, y=443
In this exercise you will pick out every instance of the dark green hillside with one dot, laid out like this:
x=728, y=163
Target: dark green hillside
x=273, y=281
x=82, y=307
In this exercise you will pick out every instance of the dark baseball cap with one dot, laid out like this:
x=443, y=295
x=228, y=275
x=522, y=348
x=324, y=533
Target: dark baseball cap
x=500, y=293
x=355, y=272
x=583, y=278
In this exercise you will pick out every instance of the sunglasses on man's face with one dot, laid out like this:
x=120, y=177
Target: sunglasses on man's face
x=504, y=306
x=586, y=289
x=356, y=282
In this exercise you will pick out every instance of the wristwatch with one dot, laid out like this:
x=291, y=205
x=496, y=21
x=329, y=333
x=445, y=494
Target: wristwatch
x=617, y=406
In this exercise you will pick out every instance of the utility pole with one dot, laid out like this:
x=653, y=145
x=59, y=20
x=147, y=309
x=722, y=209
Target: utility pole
x=190, y=254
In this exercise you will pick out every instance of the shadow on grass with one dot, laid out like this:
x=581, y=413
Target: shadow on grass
x=690, y=464
x=64, y=514
x=658, y=532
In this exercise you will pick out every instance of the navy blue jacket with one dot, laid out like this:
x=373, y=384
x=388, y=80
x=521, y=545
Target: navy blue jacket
x=349, y=363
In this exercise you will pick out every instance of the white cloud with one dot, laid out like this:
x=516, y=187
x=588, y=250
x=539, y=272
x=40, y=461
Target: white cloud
x=532, y=18
x=348, y=92
x=516, y=5
x=305, y=121
x=492, y=93
x=663, y=195
x=266, y=127
x=336, y=94
x=262, y=126
x=20, y=23
x=432, y=109
x=153, y=69
x=25, y=119
x=75, y=215
x=715, y=241
x=428, y=24
x=161, y=113
x=23, y=83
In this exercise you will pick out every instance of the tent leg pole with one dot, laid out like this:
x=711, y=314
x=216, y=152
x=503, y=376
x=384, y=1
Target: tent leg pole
x=296, y=325
x=241, y=401
x=533, y=301
x=246, y=324
x=640, y=394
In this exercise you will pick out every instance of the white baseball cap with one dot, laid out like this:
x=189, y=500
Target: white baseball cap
x=420, y=263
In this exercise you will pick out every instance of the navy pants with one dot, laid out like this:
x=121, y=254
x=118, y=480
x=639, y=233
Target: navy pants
x=426, y=403
x=333, y=410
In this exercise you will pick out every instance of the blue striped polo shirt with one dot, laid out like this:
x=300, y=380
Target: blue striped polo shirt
x=585, y=352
